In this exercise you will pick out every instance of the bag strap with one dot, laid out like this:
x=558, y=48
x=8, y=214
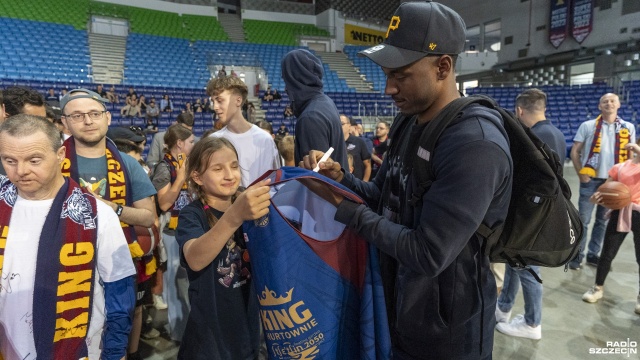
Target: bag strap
x=426, y=145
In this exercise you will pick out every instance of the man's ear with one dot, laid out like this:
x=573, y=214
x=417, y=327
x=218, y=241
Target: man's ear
x=61, y=154
x=445, y=66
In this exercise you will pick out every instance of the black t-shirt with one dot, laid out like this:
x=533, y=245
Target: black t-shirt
x=224, y=318
x=358, y=149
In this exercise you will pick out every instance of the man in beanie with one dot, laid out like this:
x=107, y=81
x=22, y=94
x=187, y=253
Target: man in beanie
x=440, y=292
x=318, y=126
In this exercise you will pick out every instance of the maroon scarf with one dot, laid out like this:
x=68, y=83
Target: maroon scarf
x=620, y=153
x=63, y=289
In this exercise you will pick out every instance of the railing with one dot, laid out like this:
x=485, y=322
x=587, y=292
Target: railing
x=376, y=108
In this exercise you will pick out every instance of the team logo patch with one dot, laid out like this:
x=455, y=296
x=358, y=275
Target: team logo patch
x=393, y=25
x=78, y=208
x=8, y=192
x=183, y=200
x=432, y=46
x=263, y=221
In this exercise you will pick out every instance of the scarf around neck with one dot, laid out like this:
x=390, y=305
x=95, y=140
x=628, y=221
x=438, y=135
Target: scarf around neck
x=63, y=289
x=183, y=197
x=118, y=188
x=620, y=153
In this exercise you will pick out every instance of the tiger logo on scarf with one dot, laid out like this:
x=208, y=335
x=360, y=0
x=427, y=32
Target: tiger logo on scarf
x=8, y=191
x=78, y=208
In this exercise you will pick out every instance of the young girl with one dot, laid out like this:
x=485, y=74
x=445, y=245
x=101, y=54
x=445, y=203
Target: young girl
x=169, y=179
x=620, y=223
x=224, y=319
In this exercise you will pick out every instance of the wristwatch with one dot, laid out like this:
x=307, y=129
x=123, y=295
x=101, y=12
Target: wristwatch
x=119, y=210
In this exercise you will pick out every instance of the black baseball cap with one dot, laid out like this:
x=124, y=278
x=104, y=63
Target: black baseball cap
x=124, y=133
x=418, y=29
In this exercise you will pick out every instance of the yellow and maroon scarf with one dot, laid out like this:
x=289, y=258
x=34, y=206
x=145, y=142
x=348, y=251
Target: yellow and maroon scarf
x=118, y=190
x=63, y=289
x=183, y=197
x=620, y=153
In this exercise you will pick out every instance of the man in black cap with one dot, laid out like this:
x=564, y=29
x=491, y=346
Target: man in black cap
x=440, y=291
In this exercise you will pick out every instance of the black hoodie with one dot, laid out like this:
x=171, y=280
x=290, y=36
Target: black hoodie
x=318, y=126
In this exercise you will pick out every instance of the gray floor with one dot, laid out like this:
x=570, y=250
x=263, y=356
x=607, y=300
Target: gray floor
x=571, y=328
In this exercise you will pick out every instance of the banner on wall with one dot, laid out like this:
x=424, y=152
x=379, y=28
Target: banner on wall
x=357, y=35
x=581, y=19
x=558, y=21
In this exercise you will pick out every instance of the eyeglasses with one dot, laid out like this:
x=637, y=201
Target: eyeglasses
x=93, y=115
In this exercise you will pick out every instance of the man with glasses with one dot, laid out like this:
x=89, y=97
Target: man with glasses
x=380, y=145
x=116, y=178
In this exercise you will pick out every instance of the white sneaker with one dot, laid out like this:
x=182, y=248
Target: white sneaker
x=502, y=317
x=594, y=294
x=518, y=327
x=637, y=310
x=158, y=302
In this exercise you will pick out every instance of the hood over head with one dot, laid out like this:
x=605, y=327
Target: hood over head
x=302, y=74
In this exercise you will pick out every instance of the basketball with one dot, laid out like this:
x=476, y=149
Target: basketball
x=615, y=195
x=147, y=238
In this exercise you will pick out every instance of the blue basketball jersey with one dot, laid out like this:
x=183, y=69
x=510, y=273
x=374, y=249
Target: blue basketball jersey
x=317, y=281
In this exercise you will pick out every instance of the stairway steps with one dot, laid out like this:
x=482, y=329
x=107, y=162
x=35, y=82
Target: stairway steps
x=232, y=25
x=107, y=57
x=339, y=63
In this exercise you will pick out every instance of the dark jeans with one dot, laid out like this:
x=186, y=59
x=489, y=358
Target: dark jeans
x=612, y=241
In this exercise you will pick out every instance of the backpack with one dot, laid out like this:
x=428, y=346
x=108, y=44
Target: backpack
x=542, y=227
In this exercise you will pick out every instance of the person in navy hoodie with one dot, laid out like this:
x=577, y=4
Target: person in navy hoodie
x=318, y=126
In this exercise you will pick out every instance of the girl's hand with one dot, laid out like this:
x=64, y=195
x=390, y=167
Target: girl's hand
x=181, y=171
x=253, y=203
x=596, y=198
x=633, y=147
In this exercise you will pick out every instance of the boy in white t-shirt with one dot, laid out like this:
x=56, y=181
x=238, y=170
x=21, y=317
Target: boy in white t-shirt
x=31, y=153
x=257, y=151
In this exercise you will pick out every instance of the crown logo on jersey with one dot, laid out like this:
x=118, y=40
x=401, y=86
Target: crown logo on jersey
x=270, y=298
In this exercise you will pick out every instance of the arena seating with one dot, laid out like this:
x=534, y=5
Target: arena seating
x=266, y=56
x=163, y=61
x=280, y=33
x=144, y=21
x=567, y=106
x=351, y=104
x=69, y=12
x=35, y=56
x=169, y=53
x=367, y=67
